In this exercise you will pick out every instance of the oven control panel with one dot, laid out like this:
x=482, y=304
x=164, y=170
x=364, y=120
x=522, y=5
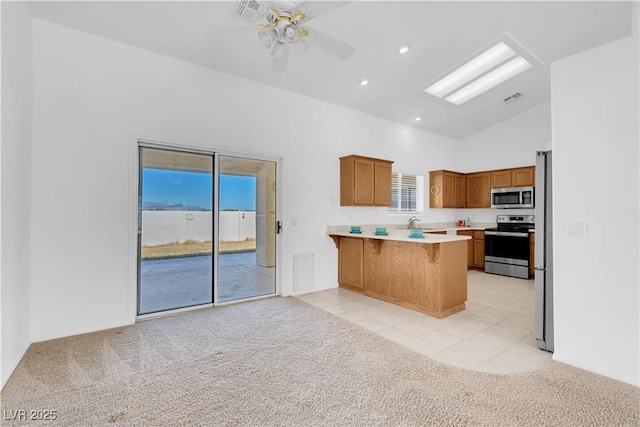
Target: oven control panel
x=516, y=219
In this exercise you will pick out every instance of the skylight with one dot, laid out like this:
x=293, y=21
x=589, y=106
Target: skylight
x=483, y=72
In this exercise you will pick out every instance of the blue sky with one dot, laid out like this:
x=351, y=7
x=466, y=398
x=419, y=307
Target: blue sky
x=195, y=189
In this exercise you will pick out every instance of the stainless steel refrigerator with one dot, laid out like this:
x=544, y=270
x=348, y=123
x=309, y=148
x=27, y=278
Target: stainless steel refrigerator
x=544, y=253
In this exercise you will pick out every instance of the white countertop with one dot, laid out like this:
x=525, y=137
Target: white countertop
x=401, y=233
x=397, y=234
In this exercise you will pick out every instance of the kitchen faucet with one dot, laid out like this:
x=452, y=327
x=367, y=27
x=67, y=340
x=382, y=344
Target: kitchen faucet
x=413, y=221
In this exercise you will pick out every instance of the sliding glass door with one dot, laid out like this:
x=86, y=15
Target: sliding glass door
x=187, y=202
x=246, y=228
x=176, y=230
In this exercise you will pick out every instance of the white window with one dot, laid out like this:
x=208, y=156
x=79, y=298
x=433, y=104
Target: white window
x=407, y=193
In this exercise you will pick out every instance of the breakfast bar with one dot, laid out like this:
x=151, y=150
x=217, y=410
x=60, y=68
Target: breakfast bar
x=427, y=273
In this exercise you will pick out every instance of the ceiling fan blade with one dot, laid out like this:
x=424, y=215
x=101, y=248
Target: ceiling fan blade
x=230, y=31
x=329, y=44
x=279, y=65
x=313, y=9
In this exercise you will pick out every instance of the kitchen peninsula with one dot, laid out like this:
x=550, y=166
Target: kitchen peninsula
x=427, y=274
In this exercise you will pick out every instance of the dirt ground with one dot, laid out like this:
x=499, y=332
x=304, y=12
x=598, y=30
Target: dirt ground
x=192, y=247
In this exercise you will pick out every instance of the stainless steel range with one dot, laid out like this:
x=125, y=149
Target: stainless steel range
x=506, y=247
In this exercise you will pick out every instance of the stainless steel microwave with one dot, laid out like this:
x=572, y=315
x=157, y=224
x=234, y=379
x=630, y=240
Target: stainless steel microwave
x=512, y=198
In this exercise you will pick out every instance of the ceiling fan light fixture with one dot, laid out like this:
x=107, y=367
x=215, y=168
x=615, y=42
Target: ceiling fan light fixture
x=403, y=49
x=364, y=82
x=267, y=37
x=290, y=33
x=300, y=46
x=280, y=50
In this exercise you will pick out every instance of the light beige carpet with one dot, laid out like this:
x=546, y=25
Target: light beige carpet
x=281, y=361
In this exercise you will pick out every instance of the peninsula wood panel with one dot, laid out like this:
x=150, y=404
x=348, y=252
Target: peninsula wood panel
x=450, y=274
x=469, y=245
x=427, y=277
x=350, y=263
x=399, y=271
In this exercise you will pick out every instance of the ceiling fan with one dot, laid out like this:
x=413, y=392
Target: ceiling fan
x=281, y=28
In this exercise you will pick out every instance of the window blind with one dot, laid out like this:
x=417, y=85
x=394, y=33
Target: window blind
x=406, y=193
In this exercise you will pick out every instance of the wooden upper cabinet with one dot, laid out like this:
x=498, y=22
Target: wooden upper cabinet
x=460, y=191
x=501, y=179
x=382, y=183
x=524, y=177
x=365, y=181
x=479, y=190
x=517, y=177
x=446, y=189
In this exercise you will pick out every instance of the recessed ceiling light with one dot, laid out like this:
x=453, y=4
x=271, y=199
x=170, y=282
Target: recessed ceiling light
x=472, y=69
x=486, y=82
x=417, y=119
x=403, y=49
x=364, y=82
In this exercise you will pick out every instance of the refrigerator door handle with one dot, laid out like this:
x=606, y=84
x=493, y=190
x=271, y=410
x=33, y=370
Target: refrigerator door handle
x=540, y=204
x=539, y=304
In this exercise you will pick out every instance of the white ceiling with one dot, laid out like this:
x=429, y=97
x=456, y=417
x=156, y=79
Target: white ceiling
x=441, y=35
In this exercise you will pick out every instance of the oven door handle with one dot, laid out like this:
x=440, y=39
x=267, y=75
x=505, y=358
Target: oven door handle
x=505, y=233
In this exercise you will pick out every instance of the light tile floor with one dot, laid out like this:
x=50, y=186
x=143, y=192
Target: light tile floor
x=494, y=334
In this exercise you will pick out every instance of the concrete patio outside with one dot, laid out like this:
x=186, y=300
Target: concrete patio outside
x=172, y=283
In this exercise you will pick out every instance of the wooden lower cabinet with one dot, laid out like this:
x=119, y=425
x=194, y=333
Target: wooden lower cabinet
x=350, y=263
x=475, y=248
x=478, y=250
x=427, y=277
x=469, y=245
x=532, y=254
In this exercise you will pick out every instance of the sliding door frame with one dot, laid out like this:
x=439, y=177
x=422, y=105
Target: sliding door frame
x=135, y=200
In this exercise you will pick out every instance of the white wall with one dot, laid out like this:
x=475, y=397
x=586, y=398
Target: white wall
x=236, y=226
x=161, y=227
x=510, y=143
x=91, y=94
x=17, y=104
x=595, y=168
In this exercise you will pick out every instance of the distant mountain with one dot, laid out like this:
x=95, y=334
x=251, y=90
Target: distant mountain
x=155, y=206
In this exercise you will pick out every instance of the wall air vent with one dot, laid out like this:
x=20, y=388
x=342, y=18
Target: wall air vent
x=512, y=98
x=249, y=11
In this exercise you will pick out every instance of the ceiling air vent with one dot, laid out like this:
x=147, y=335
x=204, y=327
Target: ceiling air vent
x=249, y=11
x=512, y=98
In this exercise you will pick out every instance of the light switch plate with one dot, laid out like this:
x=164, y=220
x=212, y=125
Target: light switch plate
x=576, y=229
